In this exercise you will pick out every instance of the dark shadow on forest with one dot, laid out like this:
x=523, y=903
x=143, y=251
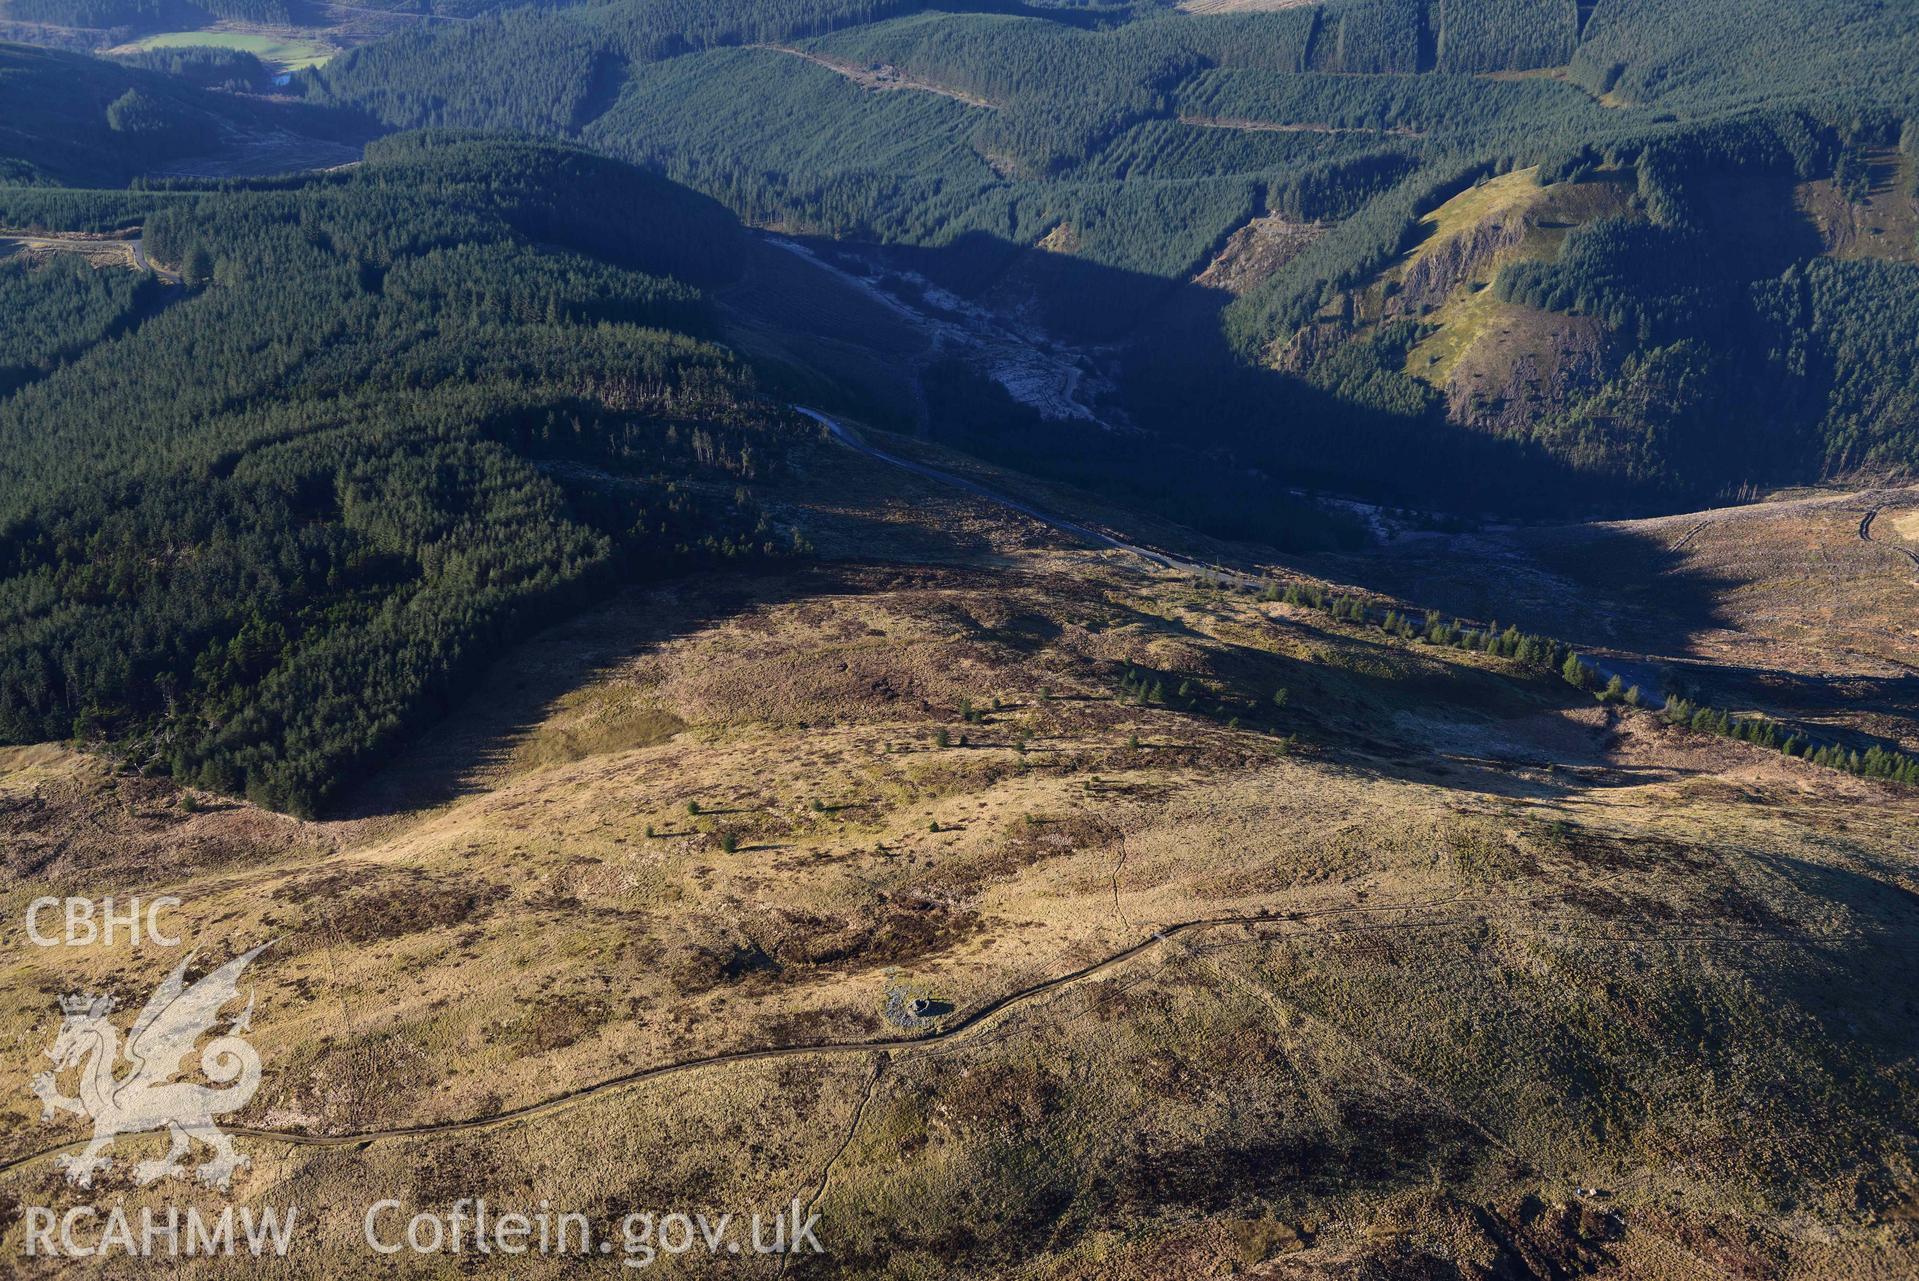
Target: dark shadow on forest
x=1222, y=440
x=473, y=745
x=1594, y=587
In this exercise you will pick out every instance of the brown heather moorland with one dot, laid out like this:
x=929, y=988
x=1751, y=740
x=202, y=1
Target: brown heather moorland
x=1435, y=968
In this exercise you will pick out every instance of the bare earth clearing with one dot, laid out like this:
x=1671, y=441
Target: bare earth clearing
x=1241, y=6
x=881, y=77
x=98, y=251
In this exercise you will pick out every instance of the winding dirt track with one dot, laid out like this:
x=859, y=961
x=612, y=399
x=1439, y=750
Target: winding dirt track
x=881, y=79
x=145, y=263
x=969, y=1022
x=1688, y=536
x=1273, y=126
x=977, y=1019
x=79, y=242
x=1865, y=535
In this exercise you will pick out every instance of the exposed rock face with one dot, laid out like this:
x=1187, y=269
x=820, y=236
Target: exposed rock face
x=1426, y=285
x=1574, y=358
x=1509, y=368
x=1461, y=258
x=1063, y=239
x=1256, y=251
x=1311, y=344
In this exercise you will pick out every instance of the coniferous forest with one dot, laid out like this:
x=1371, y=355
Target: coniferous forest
x=391, y=421
x=1126, y=640
x=1150, y=136
x=360, y=420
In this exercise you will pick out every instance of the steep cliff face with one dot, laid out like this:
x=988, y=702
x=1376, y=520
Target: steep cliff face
x=1257, y=250
x=1468, y=259
x=1436, y=319
x=1507, y=386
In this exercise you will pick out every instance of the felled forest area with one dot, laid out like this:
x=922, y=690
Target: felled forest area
x=1136, y=141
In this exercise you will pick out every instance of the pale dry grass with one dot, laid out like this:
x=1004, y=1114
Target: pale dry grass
x=1427, y=854
x=1476, y=336
x=1507, y=193
x=96, y=251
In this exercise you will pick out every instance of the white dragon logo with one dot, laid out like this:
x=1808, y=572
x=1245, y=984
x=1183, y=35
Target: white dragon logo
x=147, y=1098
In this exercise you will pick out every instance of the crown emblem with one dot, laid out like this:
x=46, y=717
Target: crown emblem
x=92, y=1006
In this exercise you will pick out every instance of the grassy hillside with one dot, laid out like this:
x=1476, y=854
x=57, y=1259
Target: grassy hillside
x=657, y=800
x=1438, y=968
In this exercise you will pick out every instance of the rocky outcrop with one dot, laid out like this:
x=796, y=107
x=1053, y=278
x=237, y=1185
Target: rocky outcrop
x=1466, y=256
x=1257, y=250
x=1574, y=359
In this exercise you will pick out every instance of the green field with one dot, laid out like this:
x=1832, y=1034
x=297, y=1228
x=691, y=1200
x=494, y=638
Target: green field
x=288, y=55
